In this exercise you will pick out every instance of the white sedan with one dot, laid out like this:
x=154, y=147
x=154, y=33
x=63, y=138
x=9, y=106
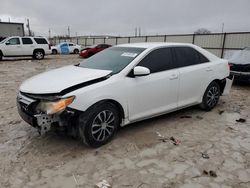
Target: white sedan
x=121, y=85
x=66, y=48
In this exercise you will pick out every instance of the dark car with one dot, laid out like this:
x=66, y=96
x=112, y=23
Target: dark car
x=240, y=65
x=89, y=51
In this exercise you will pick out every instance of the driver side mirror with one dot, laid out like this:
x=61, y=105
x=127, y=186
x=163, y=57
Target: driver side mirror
x=141, y=71
x=7, y=43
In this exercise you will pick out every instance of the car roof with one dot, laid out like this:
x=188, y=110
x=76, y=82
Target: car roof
x=154, y=44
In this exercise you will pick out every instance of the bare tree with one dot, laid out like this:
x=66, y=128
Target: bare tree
x=202, y=31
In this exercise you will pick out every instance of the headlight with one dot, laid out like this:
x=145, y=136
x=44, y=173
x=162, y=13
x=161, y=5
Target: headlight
x=54, y=107
x=83, y=51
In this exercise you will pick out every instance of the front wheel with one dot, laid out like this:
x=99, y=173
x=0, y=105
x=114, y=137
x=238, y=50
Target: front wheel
x=211, y=96
x=76, y=51
x=98, y=125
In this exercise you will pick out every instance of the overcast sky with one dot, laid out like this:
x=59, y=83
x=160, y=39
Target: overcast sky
x=121, y=17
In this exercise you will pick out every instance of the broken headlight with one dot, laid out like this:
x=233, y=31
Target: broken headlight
x=55, y=106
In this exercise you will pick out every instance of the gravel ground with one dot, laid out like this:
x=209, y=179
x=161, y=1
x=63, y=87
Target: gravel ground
x=214, y=149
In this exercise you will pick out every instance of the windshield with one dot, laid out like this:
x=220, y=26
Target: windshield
x=3, y=41
x=114, y=59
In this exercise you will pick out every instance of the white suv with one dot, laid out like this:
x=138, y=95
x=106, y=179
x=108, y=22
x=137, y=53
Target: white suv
x=121, y=85
x=15, y=46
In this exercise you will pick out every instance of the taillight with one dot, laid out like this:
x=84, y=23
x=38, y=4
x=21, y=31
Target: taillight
x=50, y=46
x=229, y=66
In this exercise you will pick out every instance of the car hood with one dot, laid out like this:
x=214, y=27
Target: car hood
x=57, y=80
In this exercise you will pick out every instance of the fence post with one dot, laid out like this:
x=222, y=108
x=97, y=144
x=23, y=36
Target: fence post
x=146, y=38
x=104, y=40
x=116, y=40
x=165, y=38
x=193, y=41
x=223, y=45
x=85, y=41
x=128, y=39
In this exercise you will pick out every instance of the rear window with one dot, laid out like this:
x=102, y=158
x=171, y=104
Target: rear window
x=41, y=40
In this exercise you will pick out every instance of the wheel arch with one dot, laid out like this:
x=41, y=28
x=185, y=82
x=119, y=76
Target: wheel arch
x=38, y=49
x=1, y=53
x=114, y=102
x=221, y=83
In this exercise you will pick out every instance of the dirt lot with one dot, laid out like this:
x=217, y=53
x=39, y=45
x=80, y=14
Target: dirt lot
x=137, y=157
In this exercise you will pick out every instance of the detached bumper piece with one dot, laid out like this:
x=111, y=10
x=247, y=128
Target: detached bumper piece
x=43, y=122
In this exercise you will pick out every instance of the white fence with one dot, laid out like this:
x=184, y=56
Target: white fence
x=220, y=44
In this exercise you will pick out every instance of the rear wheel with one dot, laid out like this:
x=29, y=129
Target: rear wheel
x=211, y=96
x=54, y=51
x=1, y=55
x=38, y=54
x=98, y=125
x=76, y=51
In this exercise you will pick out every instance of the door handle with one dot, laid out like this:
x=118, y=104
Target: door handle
x=208, y=69
x=173, y=76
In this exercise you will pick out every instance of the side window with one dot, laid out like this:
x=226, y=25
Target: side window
x=70, y=44
x=158, y=60
x=14, y=41
x=203, y=59
x=41, y=40
x=27, y=41
x=186, y=56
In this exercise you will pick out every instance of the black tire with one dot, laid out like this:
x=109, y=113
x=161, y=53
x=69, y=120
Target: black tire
x=98, y=125
x=54, y=51
x=1, y=55
x=211, y=96
x=38, y=54
x=76, y=51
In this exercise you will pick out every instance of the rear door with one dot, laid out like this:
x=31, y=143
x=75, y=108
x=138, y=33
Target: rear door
x=28, y=46
x=195, y=74
x=13, y=47
x=157, y=92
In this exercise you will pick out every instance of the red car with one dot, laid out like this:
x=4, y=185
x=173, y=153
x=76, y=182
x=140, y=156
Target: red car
x=87, y=52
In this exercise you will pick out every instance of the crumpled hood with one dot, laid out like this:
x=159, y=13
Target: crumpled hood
x=56, y=80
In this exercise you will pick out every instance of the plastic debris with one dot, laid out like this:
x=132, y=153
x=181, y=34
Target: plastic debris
x=103, y=184
x=241, y=120
x=175, y=141
x=205, y=155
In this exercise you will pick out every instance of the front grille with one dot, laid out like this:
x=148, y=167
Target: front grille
x=27, y=105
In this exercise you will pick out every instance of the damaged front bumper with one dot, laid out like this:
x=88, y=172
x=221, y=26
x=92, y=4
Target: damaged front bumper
x=241, y=76
x=44, y=122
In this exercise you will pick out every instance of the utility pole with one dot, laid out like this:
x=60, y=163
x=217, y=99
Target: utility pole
x=49, y=33
x=28, y=27
x=68, y=31
x=222, y=29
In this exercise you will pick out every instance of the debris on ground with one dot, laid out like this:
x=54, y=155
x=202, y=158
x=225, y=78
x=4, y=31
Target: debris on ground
x=205, y=155
x=103, y=184
x=199, y=117
x=185, y=117
x=241, y=120
x=165, y=139
x=175, y=141
x=210, y=173
x=221, y=112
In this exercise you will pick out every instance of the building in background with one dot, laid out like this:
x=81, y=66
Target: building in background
x=11, y=29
